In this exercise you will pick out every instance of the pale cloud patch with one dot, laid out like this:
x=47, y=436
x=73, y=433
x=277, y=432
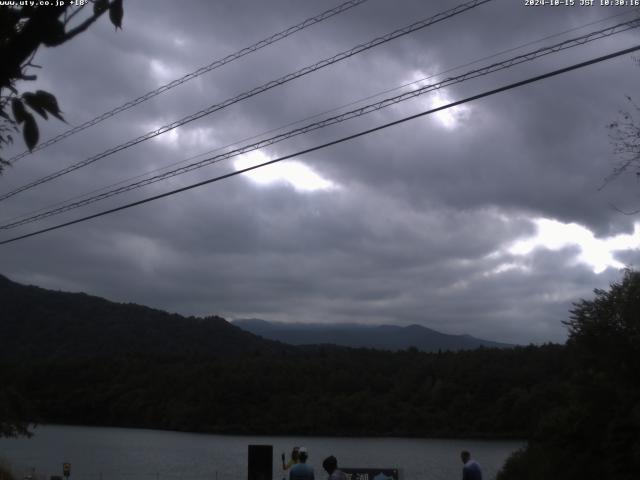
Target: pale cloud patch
x=180, y=41
x=595, y=252
x=161, y=72
x=186, y=139
x=297, y=174
x=149, y=256
x=507, y=267
x=451, y=117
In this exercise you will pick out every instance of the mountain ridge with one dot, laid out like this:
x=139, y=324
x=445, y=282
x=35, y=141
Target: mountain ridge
x=355, y=335
x=47, y=324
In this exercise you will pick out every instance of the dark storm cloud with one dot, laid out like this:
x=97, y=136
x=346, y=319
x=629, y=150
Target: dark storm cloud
x=418, y=226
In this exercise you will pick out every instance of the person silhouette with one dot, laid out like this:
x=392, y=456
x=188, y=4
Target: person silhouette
x=471, y=469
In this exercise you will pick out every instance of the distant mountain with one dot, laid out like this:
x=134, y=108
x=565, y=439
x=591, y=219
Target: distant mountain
x=71, y=358
x=383, y=337
x=40, y=324
x=36, y=323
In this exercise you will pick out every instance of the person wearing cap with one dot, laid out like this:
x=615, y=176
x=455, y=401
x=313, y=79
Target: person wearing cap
x=301, y=471
x=330, y=464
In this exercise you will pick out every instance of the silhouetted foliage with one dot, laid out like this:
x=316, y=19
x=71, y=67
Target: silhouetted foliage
x=595, y=431
x=14, y=413
x=624, y=134
x=5, y=471
x=23, y=30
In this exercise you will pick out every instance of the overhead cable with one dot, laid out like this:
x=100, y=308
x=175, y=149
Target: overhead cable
x=526, y=57
x=243, y=96
x=311, y=117
x=334, y=142
x=195, y=74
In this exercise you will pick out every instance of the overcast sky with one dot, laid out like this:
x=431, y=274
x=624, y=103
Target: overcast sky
x=485, y=219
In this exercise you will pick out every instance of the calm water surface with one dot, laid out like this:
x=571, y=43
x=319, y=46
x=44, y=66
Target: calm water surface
x=125, y=454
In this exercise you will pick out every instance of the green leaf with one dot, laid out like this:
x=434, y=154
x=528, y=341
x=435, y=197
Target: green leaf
x=5, y=116
x=32, y=100
x=99, y=6
x=49, y=103
x=19, y=112
x=116, y=12
x=30, y=131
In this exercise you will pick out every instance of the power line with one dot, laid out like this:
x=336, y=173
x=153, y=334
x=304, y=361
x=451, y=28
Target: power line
x=468, y=64
x=311, y=117
x=526, y=57
x=267, y=86
x=196, y=73
x=334, y=142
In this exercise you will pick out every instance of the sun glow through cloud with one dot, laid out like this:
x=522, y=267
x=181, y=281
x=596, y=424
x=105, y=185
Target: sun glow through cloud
x=450, y=117
x=595, y=252
x=297, y=174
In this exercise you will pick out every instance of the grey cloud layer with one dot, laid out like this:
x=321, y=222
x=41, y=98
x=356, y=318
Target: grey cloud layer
x=422, y=215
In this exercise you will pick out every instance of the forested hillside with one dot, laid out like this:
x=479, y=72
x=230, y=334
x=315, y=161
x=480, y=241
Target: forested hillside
x=75, y=358
x=485, y=393
x=578, y=404
x=44, y=324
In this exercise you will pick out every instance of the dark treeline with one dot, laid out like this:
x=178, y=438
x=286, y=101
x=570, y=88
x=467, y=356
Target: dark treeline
x=485, y=393
x=593, y=430
x=577, y=404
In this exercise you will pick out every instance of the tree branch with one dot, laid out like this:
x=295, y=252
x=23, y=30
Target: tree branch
x=82, y=27
x=77, y=11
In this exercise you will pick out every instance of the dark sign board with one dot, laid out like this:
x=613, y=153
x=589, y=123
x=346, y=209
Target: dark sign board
x=260, y=462
x=371, y=473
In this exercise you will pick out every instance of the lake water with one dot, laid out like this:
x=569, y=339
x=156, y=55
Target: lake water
x=127, y=454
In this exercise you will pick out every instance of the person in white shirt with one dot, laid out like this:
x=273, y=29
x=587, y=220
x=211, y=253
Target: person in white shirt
x=330, y=464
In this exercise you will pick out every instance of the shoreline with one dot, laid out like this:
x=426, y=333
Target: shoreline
x=475, y=438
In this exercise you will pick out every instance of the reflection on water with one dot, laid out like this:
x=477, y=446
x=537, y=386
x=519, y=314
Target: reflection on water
x=125, y=454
